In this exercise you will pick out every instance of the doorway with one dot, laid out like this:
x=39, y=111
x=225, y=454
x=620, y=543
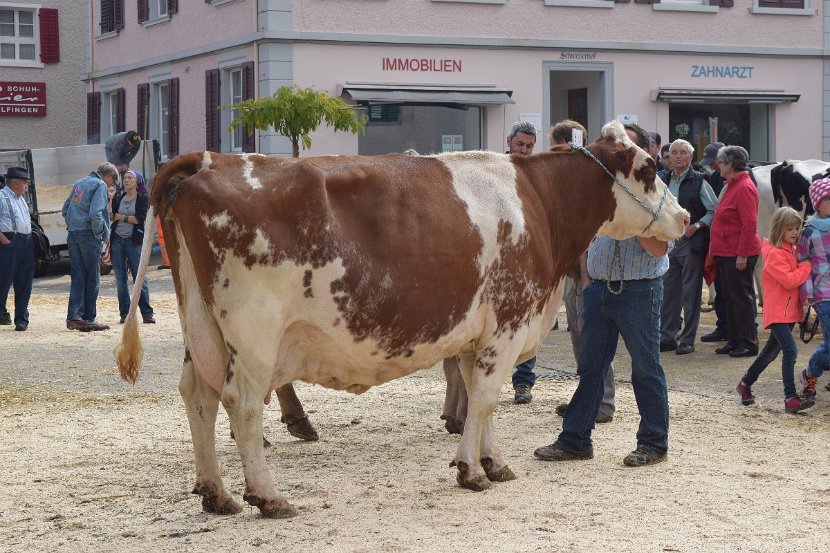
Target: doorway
x=579, y=91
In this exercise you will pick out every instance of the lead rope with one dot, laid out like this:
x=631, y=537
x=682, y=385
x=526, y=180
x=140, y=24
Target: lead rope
x=655, y=214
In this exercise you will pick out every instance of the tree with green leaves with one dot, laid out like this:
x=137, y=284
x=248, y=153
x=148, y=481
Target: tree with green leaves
x=296, y=112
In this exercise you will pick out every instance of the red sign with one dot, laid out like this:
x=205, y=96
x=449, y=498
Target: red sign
x=23, y=99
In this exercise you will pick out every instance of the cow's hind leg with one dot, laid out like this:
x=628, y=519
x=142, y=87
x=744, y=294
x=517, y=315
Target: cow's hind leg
x=455, y=400
x=242, y=397
x=202, y=403
x=293, y=415
x=483, y=376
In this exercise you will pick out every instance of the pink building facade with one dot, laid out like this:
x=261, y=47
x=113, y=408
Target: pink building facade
x=436, y=75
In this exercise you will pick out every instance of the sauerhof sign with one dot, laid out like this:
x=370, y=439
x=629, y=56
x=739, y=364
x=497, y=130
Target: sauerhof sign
x=22, y=99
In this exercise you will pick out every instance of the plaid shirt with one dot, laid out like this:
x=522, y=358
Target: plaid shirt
x=814, y=245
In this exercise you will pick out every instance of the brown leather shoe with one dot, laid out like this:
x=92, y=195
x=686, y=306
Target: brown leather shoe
x=78, y=324
x=95, y=326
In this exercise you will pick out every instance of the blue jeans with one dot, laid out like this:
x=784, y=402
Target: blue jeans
x=17, y=268
x=84, y=267
x=781, y=339
x=820, y=360
x=125, y=256
x=524, y=373
x=634, y=314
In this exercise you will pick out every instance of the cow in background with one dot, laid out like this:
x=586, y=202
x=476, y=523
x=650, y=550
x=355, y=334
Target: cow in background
x=349, y=271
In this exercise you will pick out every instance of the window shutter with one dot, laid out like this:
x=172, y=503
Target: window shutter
x=106, y=16
x=173, y=121
x=143, y=10
x=120, y=110
x=50, y=51
x=118, y=8
x=622, y=1
x=248, y=93
x=788, y=4
x=172, y=6
x=93, y=117
x=212, y=119
x=142, y=116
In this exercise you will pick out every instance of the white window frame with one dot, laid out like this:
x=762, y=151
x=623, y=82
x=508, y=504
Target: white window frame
x=17, y=41
x=581, y=3
x=230, y=83
x=701, y=6
x=157, y=12
x=109, y=113
x=159, y=115
x=806, y=10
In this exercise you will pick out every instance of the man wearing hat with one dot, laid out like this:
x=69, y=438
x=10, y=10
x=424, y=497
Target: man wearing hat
x=710, y=166
x=121, y=148
x=17, y=252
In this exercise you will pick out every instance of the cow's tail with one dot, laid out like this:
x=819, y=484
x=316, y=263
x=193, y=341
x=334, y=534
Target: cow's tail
x=129, y=353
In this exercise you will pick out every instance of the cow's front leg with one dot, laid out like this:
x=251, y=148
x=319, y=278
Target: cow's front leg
x=202, y=403
x=455, y=400
x=483, y=376
x=242, y=397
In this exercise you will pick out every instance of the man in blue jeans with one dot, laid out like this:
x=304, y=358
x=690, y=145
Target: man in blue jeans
x=520, y=142
x=623, y=298
x=17, y=252
x=87, y=220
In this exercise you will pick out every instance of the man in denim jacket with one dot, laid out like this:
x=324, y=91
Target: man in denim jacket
x=87, y=220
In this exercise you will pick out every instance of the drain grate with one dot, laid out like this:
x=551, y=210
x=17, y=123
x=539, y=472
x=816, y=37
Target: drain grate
x=553, y=374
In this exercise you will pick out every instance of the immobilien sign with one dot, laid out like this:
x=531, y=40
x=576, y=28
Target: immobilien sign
x=423, y=65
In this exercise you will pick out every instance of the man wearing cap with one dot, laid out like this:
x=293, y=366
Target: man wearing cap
x=682, y=282
x=121, y=148
x=17, y=252
x=520, y=142
x=87, y=221
x=711, y=168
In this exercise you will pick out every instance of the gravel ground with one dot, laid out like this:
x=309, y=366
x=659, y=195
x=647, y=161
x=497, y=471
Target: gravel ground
x=92, y=463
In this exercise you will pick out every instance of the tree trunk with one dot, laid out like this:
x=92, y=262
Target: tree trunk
x=295, y=146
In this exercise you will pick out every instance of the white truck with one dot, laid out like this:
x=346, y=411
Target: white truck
x=52, y=173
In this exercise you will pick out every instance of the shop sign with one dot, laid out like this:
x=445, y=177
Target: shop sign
x=423, y=65
x=23, y=99
x=723, y=71
x=577, y=55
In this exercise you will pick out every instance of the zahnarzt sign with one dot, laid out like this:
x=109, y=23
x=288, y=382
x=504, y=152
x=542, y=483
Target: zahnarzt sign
x=24, y=99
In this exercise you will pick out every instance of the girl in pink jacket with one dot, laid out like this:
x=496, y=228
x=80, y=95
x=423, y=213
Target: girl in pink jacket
x=781, y=278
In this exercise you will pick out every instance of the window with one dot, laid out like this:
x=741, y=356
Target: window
x=230, y=84
x=235, y=96
x=782, y=7
x=112, y=113
x=18, y=42
x=151, y=12
x=161, y=116
x=158, y=113
x=423, y=128
x=112, y=16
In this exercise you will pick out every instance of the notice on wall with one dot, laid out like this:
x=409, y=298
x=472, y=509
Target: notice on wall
x=452, y=142
x=22, y=99
x=627, y=118
x=533, y=118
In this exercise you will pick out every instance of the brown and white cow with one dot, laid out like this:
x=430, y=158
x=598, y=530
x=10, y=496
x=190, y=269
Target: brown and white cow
x=349, y=272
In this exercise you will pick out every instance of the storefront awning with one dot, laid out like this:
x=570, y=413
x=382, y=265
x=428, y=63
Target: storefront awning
x=722, y=96
x=427, y=94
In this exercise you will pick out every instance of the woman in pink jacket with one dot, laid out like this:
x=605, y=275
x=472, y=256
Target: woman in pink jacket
x=734, y=244
x=782, y=277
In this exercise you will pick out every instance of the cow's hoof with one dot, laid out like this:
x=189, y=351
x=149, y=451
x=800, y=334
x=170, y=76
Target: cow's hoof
x=213, y=503
x=504, y=474
x=279, y=508
x=477, y=484
x=453, y=425
x=301, y=428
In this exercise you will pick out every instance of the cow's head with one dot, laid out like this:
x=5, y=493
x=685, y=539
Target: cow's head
x=646, y=194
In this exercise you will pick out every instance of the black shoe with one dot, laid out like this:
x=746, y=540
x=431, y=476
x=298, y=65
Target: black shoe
x=21, y=326
x=666, y=346
x=744, y=352
x=122, y=319
x=716, y=336
x=554, y=452
x=149, y=320
x=725, y=349
x=683, y=349
x=641, y=457
x=561, y=409
x=5, y=318
x=522, y=395
x=162, y=267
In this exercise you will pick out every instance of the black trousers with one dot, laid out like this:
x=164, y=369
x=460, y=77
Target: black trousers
x=737, y=287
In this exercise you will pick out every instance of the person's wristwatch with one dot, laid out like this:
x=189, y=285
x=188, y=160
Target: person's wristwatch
x=697, y=225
